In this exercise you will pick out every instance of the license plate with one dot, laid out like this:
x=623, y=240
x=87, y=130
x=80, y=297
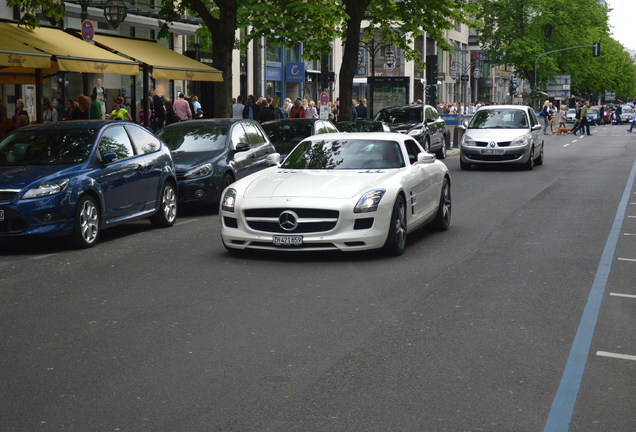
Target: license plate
x=1, y=215
x=287, y=240
x=492, y=152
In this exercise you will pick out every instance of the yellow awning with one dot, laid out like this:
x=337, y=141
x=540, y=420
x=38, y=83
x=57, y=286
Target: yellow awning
x=17, y=55
x=72, y=54
x=166, y=64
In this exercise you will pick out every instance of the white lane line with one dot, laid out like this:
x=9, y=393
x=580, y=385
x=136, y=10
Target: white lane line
x=40, y=257
x=627, y=259
x=629, y=234
x=186, y=222
x=614, y=355
x=623, y=295
x=566, y=145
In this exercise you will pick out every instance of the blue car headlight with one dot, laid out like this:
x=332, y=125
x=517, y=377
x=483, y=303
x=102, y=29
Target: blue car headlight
x=229, y=200
x=199, y=171
x=46, y=189
x=370, y=201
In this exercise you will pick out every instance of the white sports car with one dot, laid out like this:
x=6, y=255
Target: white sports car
x=341, y=191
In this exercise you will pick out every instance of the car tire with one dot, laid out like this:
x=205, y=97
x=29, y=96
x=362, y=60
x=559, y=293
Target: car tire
x=427, y=145
x=539, y=160
x=396, y=240
x=87, y=223
x=167, y=212
x=441, y=153
x=530, y=164
x=443, y=217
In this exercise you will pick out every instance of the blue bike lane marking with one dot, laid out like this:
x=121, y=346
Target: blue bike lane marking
x=565, y=398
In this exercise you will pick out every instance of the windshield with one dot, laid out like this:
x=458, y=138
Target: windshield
x=400, y=115
x=47, y=147
x=291, y=132
x=196, y=139
x=345, y=153
x=499, y=119
x=592, y=111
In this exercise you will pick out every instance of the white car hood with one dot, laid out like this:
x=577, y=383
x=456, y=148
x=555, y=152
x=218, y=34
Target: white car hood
x=315, y=183
x=497, y=135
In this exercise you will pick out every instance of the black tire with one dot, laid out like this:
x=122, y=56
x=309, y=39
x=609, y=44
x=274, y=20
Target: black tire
x=539, y=160
x=530, y=164
x=167, y=212
x=396, y=240
x=443, y=217
x=441, y=153
x=87, y=223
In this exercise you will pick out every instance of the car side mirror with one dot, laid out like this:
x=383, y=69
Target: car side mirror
x=425, y=158
x=273, y=159
x=240, y=147
x=109, y=157
x=536, y=127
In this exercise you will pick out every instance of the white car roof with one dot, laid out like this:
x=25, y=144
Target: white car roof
x=387, y=136
x=490, y=107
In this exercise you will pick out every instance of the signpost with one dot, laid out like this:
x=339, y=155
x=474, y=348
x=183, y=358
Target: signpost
x=324, y=106
x=88, y=30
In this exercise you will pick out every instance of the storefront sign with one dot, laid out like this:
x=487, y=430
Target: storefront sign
x=272, y=73
x=295, y=72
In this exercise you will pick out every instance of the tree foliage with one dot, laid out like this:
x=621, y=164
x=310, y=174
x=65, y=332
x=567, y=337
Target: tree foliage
x=52, y=9
x=519, y=31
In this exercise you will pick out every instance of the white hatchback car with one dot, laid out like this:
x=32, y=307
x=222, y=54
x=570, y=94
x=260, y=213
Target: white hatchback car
x=502, y=134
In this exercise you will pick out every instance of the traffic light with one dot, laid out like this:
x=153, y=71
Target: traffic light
x=596, y=49
x=513, y=87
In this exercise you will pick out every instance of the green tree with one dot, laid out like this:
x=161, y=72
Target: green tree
x=52, y=9
x=519, y=31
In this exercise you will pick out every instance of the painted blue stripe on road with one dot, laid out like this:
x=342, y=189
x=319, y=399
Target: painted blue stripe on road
x=565, y=398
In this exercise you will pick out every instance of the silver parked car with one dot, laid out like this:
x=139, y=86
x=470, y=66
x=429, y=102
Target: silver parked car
x=502, y=134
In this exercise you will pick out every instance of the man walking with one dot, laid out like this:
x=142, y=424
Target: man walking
x=182, y=108
x=158, y=111
x=584, y=122
x=577, y=119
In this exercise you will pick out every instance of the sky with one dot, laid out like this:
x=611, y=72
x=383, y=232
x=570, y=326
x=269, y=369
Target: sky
x=621, y=20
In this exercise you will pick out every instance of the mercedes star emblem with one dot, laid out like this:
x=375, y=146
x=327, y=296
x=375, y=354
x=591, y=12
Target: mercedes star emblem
x=288, y=220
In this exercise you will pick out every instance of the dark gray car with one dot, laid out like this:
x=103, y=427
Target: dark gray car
x=421, y=122
x=211, y=154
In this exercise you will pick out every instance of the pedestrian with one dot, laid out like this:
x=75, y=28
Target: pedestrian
x=287, y=106
x=119, y=112
x=19, y=110
x=158, y=111
x=563, y=117
x=82, y=108
x=311, y=111
x=362, y=110
x=279, y=114
x=266, y=112
x=182, y=108
x=297, y=111
x=251, y=109
x=3, y=112
x=545, y=113
x=95, y=110
x=145, y=112
x=171, y=115
x=584, y=121
x=49, y=115
x=6, y=126
x=238, y=107
x=633, y=124
x=577, y=119
x=197, y=109
x=618, y=113
x=553, y=116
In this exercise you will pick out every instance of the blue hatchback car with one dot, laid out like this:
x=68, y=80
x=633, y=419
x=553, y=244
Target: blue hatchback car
x=76, y=178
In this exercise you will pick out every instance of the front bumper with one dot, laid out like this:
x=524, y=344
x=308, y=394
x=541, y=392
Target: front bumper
x=45, y=216
x=505, y=155
x=349, y=232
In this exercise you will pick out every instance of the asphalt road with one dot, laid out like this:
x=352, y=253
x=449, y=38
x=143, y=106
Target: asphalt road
x=469, y=330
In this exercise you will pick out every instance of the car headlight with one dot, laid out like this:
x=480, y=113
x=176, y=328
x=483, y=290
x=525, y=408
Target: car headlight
x=46, y=189
x=200, y=171
x=369, y=201
x=416, y=132
x=229, y=199
x=467, y=141
x=522, y=140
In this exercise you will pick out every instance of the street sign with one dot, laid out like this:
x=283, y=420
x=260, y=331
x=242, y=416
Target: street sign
x=88, y=30
x=324, y=98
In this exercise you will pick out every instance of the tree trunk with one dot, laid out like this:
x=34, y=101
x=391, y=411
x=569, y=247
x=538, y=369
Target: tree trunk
x=355, y=9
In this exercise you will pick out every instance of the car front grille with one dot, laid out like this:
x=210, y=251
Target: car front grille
x=7, y=195
x=485, y=143
x=493, y=158
x=305, y=220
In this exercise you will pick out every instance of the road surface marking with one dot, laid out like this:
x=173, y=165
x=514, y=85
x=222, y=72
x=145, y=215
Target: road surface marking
x=185, y=222
x=564, y=400
x=39, y=257
x=623, y=295
x=627, y=259
x=614, y=355
x=566, y=145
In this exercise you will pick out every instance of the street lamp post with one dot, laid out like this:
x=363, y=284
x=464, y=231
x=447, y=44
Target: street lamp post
x=460, y=70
